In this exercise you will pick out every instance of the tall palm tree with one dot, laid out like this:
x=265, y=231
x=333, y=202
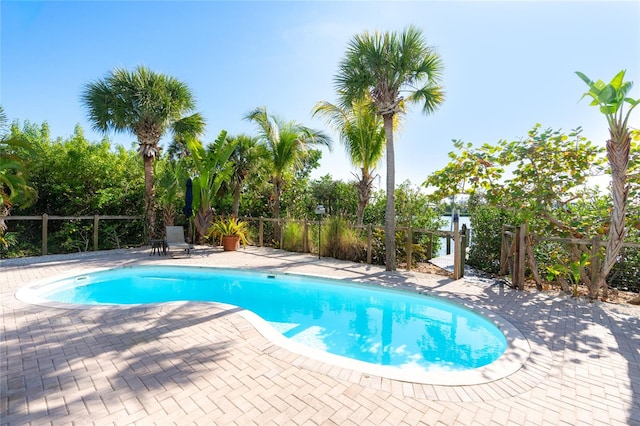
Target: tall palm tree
x=148, y=105
x=362, y=135
x=247, y=157
x=286, y=142
x=390, y=68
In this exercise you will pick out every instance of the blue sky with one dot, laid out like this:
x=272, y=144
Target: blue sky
x=508, y=65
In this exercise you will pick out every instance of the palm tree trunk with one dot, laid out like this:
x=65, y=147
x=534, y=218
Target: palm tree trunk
x=203, y=220
x=390, y=211
x=168, y=215
x=364, y=193
x=149, y=195
x=277, y=191
x=237, y=188
x=618, y=152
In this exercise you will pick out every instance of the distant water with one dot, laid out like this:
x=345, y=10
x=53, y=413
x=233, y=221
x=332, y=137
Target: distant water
x=464, y=220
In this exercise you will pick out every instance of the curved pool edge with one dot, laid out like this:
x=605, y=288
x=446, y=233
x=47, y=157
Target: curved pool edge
x=515, y=356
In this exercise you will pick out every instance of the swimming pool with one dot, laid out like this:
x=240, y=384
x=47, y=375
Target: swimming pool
x=403, y=331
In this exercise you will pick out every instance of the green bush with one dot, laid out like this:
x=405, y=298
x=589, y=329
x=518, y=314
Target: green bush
x=486, y=222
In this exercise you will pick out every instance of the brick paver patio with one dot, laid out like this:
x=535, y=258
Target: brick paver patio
x=197, y=363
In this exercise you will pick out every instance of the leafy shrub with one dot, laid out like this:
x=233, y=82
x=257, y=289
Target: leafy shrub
x=625, y=274
x=486, y=222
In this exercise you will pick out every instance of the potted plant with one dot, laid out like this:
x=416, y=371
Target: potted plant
x=230, y=232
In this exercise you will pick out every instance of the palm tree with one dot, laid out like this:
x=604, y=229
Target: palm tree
x=383, y=67
x=287, y=142
x=248, y=158
x=362, y=134
x=148, y=105
x=611, y=99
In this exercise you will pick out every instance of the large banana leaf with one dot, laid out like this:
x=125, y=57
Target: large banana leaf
x=212, y=169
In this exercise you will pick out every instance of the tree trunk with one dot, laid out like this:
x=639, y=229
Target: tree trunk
x=203, y=220
x=149, y=195
x=618, y=152
x=364, y=193
x=277, y=191
x=237, y=188
x=168, y=215
x=390, y=211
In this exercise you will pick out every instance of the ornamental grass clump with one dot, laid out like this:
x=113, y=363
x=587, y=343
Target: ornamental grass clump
x=293, y=236
x=340, y=241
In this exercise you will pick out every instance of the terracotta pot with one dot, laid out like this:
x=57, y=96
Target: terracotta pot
x=230, y=243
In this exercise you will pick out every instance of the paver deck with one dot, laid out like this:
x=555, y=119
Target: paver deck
x=445, y=262
x=196, y=363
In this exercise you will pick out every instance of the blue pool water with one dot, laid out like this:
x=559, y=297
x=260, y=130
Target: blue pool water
x=362, y=322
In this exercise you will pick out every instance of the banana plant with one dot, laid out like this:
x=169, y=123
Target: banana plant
x=211, y=169
x=611, y=99
x=573, y=272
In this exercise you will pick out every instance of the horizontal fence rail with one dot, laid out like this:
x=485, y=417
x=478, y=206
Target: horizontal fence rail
x=459, y=248
x=456, y=241
x=45, y=218
x=513, y=250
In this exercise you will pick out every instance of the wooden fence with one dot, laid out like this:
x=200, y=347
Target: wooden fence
x=514, y=251
x=458, y=238
x=45, y=218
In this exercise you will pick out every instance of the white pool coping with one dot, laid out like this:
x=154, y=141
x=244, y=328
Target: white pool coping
x=517, y=352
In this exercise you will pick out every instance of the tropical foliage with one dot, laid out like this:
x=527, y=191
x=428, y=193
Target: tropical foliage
x=341, y=241
x=391, y=69
x=547, y=187
x=229, y=227
x=14, y=189
x=248, y=159
x=548, y=170
x=73, y=177
x=287, y=143
x=611, y=99
x=541, y=180
x=148, y=105
x=361, y=132
x=211, y=169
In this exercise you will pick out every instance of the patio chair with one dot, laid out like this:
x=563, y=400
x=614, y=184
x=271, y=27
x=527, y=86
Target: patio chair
x=175, y=239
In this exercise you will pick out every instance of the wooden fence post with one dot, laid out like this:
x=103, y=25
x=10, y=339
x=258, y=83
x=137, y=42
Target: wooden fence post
x=464, y=242
x=96, y=221
x=456, y=250
x=261, y=232
x=516, y=259
x=45, y=227
x=305, y=237
x=518, y=274
x=595, y=259
x=281, y=226
x=504, y=252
